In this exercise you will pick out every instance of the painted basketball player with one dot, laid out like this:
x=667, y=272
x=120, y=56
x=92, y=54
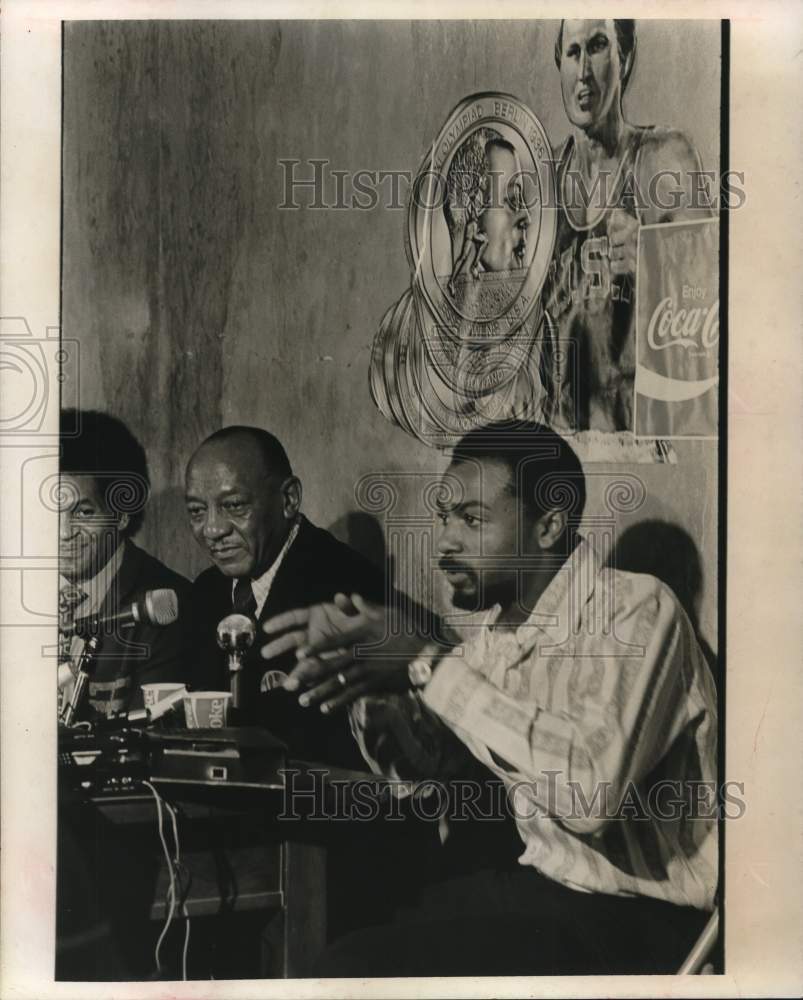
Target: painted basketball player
x=612, y=178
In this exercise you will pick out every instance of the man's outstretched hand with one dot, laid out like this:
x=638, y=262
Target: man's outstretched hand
x=334, y=666
x=296, y=629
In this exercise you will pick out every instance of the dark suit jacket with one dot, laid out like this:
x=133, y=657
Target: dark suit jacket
x=143, y=654
x=315, y=568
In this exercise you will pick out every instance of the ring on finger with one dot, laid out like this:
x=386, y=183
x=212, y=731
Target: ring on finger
x=342, y=679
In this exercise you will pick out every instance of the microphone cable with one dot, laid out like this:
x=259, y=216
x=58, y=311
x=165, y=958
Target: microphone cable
x=174, y=869
x=172, y=887
x=179, y=868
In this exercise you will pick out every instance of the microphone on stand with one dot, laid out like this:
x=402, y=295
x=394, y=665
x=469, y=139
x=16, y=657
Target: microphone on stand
x=236, y=634
x=158, y=607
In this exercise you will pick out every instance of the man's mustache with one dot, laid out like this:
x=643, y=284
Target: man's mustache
x=451, y=566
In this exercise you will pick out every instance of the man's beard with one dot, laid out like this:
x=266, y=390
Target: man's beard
x=470, y=600
x=477, y=592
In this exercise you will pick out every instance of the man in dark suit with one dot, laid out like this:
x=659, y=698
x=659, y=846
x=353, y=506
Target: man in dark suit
x=103, y=490
x=243, y=503
x=104, y=487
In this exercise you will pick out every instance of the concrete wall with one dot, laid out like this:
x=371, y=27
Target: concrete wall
x=198, y=302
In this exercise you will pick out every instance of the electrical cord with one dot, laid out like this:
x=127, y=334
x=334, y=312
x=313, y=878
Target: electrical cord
x=171, y=890
x=184, y=911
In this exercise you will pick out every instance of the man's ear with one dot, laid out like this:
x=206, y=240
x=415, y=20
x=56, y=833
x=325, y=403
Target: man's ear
x=291, y=494
x=123, y=521
x=549, y=528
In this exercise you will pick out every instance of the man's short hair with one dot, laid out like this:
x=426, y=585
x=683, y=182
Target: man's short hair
x=625, y=42
x=468, y=174
x=545, y=472
x=105, y=449
x=273, y=454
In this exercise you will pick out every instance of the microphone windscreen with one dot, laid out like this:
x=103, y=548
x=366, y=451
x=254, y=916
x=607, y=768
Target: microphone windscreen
x=236, y=632
x=161, y=607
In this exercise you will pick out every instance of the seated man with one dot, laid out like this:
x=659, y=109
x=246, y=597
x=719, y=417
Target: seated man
x=104, y=488
x=243, y=503
x=582, y=688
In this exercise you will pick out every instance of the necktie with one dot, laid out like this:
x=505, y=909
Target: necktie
x=243, y=600
x=70, y=597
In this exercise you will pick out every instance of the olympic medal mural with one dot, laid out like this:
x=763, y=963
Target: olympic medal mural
x=463, y=344
x=513, y=310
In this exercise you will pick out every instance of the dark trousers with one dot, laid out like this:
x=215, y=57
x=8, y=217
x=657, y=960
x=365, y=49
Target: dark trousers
x=497, y=923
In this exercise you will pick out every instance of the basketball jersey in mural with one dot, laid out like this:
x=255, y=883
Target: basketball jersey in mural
x=591, y=312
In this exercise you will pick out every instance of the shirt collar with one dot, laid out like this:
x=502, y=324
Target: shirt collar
x=563, y=599
x=98, y=586
x=261, y=585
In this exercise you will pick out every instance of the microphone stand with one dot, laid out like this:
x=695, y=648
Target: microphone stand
x=235, y=635
x=235, y=673
x=86, y=667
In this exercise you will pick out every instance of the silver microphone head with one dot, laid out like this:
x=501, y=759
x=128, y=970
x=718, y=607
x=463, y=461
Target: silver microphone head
x=236, y=633
x=161, y=607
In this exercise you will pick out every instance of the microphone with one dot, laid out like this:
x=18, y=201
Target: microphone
x=158, y=607
x=236, y=634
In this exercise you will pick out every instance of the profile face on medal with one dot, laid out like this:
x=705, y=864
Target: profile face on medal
x=457, y=349
x=485, y=208
x=479, y=229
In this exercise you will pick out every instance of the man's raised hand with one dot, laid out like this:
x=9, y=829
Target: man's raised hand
x=332, y=669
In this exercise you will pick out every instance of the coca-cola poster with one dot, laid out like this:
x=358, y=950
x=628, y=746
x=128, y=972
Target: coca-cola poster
x=677, y=331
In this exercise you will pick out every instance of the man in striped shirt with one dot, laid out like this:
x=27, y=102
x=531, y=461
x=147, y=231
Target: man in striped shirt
x=583, y=688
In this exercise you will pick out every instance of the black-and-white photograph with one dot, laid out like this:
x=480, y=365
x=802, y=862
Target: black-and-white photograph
x=395, y=428
x=389, y=497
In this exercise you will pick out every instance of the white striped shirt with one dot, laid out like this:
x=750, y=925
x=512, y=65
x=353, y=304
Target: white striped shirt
x=602, y=691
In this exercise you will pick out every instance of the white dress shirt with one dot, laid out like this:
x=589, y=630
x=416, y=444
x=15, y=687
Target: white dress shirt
x=262, y=584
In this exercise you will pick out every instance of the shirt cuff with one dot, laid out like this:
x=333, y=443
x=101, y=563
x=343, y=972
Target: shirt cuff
x=452, y=685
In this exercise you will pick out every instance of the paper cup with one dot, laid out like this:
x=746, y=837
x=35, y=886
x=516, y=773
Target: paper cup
x=153, y=693
x=206, y=709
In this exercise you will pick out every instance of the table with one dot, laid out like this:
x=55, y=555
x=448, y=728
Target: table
x=258, y=892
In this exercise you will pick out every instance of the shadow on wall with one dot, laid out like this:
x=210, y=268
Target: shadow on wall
x=363, y=533
x=667, y=552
